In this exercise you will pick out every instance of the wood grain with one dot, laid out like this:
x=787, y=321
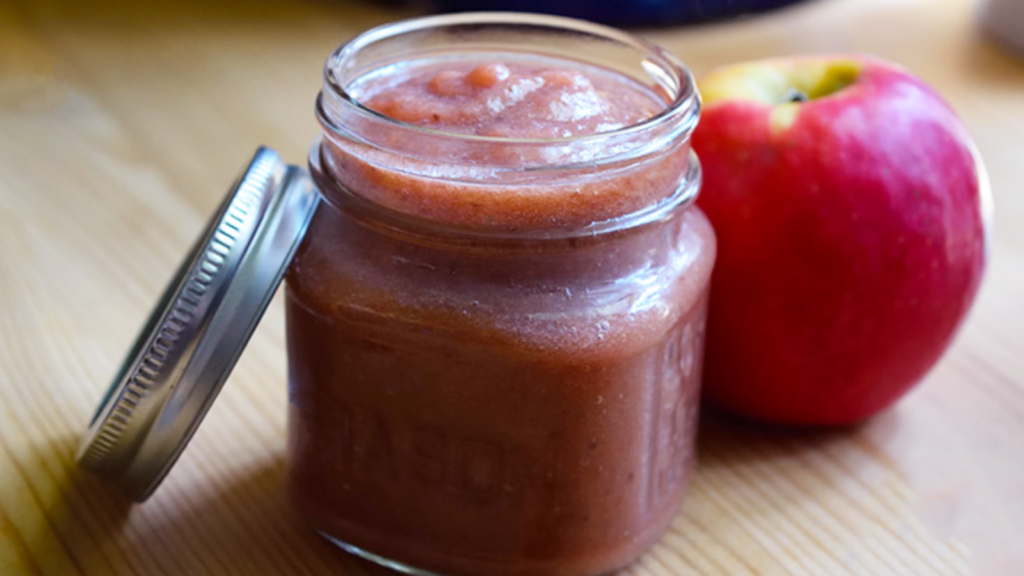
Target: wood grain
x=121, y=125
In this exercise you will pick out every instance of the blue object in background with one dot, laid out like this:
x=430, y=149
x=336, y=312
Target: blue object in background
x=623, y=12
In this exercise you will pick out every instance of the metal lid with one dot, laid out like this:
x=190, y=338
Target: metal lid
x=200, y=326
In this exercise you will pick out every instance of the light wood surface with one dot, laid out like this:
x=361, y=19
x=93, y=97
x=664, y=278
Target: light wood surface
x=121, y=125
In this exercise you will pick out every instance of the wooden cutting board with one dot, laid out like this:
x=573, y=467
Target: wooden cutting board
x=121, y=125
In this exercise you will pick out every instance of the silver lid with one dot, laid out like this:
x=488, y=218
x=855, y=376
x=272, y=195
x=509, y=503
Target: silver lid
x=200, y=326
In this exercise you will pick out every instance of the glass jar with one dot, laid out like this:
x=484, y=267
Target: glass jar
x=495, y=343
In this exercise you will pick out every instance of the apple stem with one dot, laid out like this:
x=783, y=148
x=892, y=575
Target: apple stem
x=795, y=95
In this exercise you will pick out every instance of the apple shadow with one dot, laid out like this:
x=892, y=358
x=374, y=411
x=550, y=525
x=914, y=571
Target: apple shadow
x=754, y=483
x=725, y=439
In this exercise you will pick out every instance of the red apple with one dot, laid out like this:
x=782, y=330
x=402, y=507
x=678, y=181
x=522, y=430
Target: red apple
x=849, y=208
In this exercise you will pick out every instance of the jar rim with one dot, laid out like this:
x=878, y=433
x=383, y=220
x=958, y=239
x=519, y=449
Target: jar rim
x=682, y=112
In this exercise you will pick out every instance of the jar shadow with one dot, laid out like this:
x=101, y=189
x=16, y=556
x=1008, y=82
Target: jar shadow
x=235, y=524
x=749, y=478
x=248, y=526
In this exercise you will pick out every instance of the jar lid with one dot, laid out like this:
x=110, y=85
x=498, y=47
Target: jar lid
x=200, y=326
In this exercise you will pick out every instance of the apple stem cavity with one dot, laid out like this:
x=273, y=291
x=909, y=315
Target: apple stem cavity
x=820, y=81
x=794, y=95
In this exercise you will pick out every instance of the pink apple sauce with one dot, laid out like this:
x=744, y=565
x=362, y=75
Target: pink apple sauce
x=481, y=380
x=512, y=100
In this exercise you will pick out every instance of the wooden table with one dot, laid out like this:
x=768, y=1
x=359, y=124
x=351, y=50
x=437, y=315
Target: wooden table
x=121, y=125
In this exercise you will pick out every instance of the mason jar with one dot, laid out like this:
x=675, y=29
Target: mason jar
x=497, y=283
x=495, y=340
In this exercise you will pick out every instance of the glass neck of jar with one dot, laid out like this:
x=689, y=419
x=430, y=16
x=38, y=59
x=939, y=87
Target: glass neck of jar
x=604, y=251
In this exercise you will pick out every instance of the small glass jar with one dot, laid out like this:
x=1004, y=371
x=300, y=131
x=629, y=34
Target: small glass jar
x=494, y=343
